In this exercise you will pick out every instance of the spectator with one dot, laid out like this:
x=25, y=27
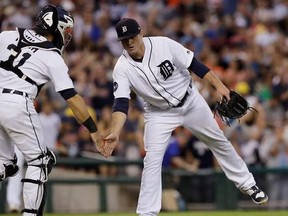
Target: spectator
x=103, y=88
x=247, y=132
x=176, y=156
x=68, y=145
x=274, y=151
x=51, y=124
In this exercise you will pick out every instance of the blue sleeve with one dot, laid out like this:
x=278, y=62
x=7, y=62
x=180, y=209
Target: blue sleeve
x=68, y=93
x=121, y=105
x=198, y=67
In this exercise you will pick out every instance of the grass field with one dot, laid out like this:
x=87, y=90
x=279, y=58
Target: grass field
x=193, y=213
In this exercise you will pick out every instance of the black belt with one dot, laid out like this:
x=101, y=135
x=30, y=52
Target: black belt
x=11, y=91
x=181, y=103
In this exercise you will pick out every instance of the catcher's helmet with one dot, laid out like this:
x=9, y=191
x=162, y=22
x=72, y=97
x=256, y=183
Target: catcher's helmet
x=57, y=22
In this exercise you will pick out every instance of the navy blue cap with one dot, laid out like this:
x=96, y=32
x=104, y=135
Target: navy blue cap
x=127, y=28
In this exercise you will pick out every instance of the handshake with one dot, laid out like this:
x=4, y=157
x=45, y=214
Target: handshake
x=105, y=145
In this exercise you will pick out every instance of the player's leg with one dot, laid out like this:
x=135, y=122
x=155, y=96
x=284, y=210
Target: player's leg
x=200, y=120
x=26, y=132
x=8, y=167
x=158, y=129
x=14, y=186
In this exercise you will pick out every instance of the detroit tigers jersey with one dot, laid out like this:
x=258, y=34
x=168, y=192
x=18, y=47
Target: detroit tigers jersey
x=41, y=65
x=161, y=79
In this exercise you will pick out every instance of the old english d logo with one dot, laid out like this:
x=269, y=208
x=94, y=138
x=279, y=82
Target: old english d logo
x=166, y=69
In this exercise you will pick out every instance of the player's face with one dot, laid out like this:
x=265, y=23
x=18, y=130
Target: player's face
x=134, y=46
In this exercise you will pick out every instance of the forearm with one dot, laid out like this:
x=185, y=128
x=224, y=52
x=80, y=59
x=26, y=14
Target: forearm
x=213, y=79
x=79, y=108
x=179, y=162
x=118, y=121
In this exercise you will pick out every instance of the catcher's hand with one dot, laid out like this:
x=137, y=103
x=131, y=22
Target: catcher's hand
x=234, y=108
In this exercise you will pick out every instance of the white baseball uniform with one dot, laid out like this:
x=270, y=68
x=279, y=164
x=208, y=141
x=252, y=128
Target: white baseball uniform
x=19, y=121
x=14, y=186
x=171, y=100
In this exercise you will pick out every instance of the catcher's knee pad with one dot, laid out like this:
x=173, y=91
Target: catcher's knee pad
x=34, y=188
x=10, y=169
x=51, y=160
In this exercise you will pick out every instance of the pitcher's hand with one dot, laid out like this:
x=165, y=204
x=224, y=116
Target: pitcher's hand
x=223, y=92
x=110, y=143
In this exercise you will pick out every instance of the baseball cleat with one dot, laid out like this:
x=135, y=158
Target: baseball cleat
x=257, y=195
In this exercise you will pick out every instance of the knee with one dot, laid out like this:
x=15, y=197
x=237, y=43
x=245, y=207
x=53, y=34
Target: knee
x=153, y=159
x=44, y=161
x=35, y=182
x=10, y=169
x=51, y=160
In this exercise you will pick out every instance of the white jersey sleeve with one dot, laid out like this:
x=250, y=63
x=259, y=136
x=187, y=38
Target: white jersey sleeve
x=182, y=57
x=121, y=80
x=58, y=73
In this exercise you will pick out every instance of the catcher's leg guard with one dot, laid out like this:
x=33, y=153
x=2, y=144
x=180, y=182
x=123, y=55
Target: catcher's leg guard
x=11, y=169
x=34, y=189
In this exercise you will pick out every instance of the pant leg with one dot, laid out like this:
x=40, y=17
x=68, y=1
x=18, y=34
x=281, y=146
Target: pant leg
x=200, y=120
x=158, y=129
x=6, y=149
x=25, y=130
x=15, y=186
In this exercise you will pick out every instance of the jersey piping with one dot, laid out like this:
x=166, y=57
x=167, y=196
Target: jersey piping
x=149, y=82
x=157, y=79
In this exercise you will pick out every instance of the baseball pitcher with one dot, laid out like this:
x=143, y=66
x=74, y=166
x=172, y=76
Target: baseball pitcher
x=158, y=70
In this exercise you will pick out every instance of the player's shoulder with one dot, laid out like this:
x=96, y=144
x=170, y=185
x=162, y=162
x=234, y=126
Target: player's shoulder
x=156, y=39
x=123, y=65
x=159, y=40
x=8, y=34
x=6, y=38
x=122, y=62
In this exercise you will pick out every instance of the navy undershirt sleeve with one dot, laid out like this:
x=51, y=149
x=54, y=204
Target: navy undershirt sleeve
x=68, y=93
x=198, y=67
x=121, y=105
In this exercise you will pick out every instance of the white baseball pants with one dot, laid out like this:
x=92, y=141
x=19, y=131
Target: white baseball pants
x=14, y=186
x=196, y=116
x=19, y=124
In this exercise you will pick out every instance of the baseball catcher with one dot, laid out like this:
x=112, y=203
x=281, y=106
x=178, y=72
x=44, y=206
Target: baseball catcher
x=29, y=58
x=234, y=108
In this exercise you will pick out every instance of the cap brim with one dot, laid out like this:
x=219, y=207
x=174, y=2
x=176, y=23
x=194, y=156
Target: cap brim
x=128, y=36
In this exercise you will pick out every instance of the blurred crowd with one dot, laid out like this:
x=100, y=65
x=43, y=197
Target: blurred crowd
x=244, y=41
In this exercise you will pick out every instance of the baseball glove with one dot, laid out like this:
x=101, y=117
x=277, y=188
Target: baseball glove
x=234, y=108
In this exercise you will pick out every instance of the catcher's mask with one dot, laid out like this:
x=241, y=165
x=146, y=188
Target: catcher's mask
x=57, y=22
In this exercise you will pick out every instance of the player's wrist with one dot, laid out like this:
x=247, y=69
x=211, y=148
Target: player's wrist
x=116, y=134
x=90, y=125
